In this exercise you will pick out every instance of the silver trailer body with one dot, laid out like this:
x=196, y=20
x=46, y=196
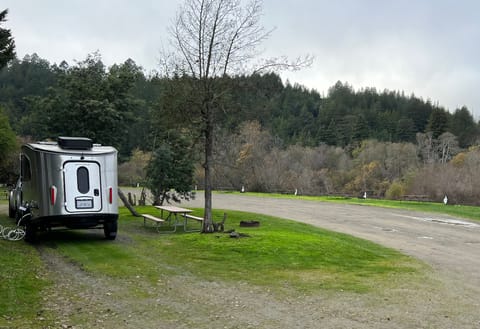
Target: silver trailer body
x=70, y=183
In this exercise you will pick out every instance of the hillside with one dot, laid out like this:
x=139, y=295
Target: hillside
x=270, y=135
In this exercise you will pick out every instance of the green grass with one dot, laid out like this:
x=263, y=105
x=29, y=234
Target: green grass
x=21, y=278
x=279, y=254
x=468, y=212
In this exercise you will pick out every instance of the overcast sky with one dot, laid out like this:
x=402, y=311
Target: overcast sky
x=426, y=47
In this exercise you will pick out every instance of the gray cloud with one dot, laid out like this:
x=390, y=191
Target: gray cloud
x=429, y=48
x=424, y=47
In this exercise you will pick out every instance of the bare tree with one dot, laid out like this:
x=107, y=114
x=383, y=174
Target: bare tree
x=447, y=147
x=439, y=150
x=426, y=147
x=213, y=39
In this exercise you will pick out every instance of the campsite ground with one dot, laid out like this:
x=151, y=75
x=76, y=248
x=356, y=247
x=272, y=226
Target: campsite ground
x=450, y=245
x=448, y=299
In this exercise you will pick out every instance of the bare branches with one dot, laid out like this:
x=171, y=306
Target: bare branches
x=220, y=37
x=284, y=64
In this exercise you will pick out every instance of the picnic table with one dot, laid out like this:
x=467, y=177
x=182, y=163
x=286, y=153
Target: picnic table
x=177, y=216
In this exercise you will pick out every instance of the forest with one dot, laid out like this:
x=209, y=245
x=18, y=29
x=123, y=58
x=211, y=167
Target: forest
x=271, y=136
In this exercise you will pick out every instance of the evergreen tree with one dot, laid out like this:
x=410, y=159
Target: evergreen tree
x=464, y=127
x=405, y=131
x=8, y=144
x=417, y=110
x=438, y=122
x=87, y=101
x=23, y=79
x=170, y=171
x=7, y=44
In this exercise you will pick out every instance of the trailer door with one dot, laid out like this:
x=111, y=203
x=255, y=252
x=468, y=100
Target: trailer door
x=82, y=186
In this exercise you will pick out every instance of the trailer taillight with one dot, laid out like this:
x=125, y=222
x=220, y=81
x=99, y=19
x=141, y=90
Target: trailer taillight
x=53, y=195
x=110, y=195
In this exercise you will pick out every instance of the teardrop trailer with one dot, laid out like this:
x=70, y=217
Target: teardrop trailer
x=71, y=183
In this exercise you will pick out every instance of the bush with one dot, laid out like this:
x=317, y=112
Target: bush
x=396, y=191
x=170, y=171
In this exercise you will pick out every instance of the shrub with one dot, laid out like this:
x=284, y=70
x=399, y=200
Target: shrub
x=396, y=191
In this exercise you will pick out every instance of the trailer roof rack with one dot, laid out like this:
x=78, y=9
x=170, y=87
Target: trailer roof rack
x=75, y=143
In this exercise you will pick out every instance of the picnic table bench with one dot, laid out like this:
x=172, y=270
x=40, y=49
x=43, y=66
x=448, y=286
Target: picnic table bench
x=156, y=220
x=198, y=219
x=176, y=217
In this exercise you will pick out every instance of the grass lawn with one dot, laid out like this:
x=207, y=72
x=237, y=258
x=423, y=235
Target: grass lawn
x=21, y=277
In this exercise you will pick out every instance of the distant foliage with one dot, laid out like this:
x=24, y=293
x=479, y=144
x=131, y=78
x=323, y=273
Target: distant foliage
x=458, y=179
x=270, y=136
x=82, y=100
x=133, y=171
x=121, y=105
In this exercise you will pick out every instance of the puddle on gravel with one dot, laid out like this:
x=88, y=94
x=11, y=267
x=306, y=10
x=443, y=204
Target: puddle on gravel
x=472, y=242
x=385, y=229
x=447, y=221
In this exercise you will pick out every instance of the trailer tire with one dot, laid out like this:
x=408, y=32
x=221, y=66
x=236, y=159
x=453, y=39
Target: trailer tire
x=11, y=212
x=12, y=208
x=110, y=230
x=30, y=233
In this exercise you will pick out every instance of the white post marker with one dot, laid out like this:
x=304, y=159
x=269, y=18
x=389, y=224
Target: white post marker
x=445, y=200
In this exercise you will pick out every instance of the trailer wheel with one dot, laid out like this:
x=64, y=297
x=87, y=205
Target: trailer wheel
x=110, y=230
x=12, y=211
x=30, y=233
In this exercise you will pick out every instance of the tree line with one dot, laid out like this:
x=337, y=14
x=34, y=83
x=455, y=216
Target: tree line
x=43, y=100
x=124, y=107
x=427, y=169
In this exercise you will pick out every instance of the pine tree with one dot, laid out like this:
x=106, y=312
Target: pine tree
x=7, y=44
x=438, y=122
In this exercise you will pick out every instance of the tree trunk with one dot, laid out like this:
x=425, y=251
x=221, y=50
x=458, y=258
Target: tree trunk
x=207, y=222
x=127, y=204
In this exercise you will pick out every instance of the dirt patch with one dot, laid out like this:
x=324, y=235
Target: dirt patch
x=250, y=223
